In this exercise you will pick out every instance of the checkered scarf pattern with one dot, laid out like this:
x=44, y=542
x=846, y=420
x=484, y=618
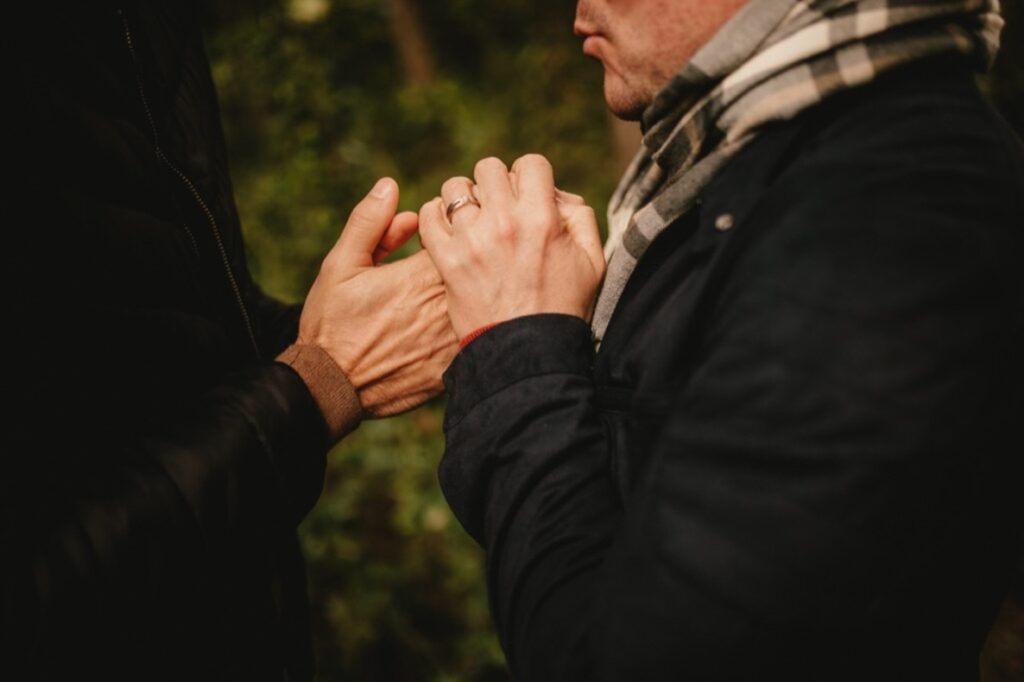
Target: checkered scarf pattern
x=772, y=60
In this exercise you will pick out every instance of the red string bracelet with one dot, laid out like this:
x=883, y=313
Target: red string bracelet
x=468, y=338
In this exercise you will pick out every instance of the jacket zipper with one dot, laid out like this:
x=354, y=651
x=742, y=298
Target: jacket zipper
x=192, y=189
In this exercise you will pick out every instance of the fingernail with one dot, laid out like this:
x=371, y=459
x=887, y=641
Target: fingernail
x=382, y=189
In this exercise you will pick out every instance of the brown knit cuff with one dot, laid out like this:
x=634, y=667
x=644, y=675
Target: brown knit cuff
x=331, y=389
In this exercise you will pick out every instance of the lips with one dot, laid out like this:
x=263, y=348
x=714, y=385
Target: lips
x=592, y=46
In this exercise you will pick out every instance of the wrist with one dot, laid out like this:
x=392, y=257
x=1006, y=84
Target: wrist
x=329, y=385
x=515, y=349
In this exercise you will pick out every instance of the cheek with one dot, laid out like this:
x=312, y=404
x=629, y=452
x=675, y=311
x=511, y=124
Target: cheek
x=640, y=51
x=658, y=37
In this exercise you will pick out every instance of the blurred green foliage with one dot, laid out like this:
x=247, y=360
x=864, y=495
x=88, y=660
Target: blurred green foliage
x=321, y=98
x=318, y=107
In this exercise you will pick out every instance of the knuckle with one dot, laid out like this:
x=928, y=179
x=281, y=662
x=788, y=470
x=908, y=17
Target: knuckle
x=451, y=261
x=455, y=185
x=473, y=241
x=330, y=262
x=505, y=227
x=490, y=162
x=534, y=159
x=429, y=213
x=543, y=218
x=425, y=211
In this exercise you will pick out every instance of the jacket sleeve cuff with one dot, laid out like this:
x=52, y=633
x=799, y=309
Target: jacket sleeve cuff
x=333, y=392
x=511, y=351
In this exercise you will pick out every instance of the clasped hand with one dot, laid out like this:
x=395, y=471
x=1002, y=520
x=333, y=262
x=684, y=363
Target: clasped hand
x=527, y=248
x=524, y=248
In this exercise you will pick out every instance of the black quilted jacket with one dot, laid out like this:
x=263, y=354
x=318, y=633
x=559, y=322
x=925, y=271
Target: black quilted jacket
x=797, y=454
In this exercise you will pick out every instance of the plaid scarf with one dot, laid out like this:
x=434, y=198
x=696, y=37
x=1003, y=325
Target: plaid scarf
x=772, y=60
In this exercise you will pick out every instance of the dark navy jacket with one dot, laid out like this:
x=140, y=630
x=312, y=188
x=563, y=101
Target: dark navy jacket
x=796, y=455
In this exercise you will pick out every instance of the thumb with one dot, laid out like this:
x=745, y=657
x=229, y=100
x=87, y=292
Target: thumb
x=367, y=223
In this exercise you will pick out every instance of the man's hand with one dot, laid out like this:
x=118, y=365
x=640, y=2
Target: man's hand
x=386, y=326
x=528, y=248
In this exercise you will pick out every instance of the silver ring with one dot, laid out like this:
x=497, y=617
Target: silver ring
x=458, y=203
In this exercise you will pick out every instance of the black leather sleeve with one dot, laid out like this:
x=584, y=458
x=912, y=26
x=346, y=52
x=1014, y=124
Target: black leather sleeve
x=128, y=536
x=149, y=491
x=277, y=322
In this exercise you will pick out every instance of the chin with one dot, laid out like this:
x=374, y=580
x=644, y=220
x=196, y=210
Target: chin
x=623, y=101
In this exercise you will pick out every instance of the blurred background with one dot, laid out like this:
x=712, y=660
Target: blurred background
x=319, y=99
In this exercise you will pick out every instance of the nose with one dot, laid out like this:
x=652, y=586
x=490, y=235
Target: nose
x=582, y=26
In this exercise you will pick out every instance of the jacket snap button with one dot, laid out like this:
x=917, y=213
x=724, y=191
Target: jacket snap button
x=724, y=222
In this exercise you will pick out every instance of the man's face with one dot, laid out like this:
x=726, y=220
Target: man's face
x=644, y=43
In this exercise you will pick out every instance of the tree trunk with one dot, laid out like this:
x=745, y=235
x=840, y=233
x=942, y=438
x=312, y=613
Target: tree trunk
x=411, y=43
